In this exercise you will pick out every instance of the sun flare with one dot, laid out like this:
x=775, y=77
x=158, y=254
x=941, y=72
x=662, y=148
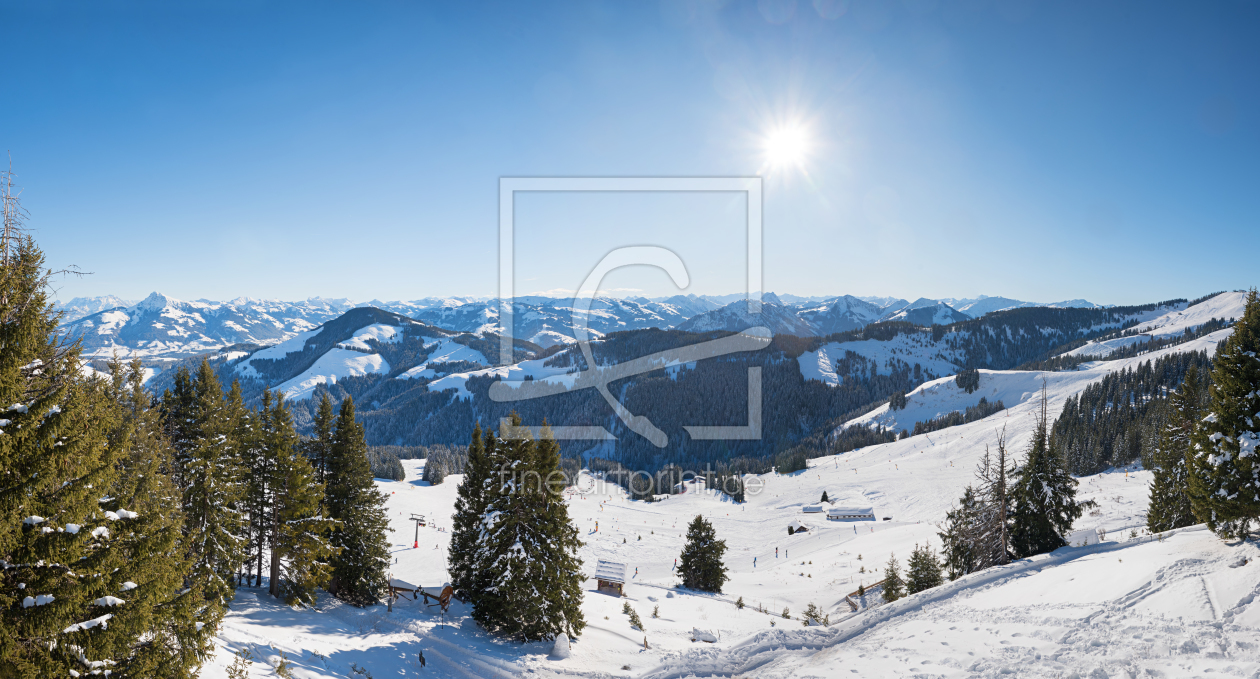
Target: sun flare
x=787, y=147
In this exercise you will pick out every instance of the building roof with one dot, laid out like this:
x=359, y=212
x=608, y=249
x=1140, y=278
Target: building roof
x=852, y=511
x=610, y=571
x=797, y=525
x=812, y=508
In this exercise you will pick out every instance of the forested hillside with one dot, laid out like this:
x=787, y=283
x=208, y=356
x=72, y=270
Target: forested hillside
x=1116, y=419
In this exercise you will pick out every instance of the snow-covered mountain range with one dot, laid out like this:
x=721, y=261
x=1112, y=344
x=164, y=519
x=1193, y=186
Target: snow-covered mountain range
x=160, y=328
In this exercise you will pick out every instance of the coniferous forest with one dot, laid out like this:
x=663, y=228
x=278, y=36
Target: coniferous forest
x=127, y=521
x=1118, y=419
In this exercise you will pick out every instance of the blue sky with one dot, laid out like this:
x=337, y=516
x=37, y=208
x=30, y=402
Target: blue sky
x=1034, y=150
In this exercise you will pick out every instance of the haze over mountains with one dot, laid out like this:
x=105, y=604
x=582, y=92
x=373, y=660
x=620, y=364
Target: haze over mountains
x=162, y=328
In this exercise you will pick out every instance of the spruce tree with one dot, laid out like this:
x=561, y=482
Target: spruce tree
x=470, y=506
x=824, y=497
x=1044, y=494
x=55, y=466
x=319, y=447
x=700, y=564
x=923, y=570
x=298, y=532
x=260, y=474
x=894, y=586
x=1224, y=474
x=352, y=500
x=207, y=453
x=1170, y=505
x=154, y=629
x=77, y=516
x=528, y=547
x=957, y=536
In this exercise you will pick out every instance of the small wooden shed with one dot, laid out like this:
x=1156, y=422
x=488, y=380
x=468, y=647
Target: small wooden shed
x=796, y=527
x=610, y=577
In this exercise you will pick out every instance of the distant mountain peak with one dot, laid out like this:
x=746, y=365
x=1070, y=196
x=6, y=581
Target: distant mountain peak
x=156, y=301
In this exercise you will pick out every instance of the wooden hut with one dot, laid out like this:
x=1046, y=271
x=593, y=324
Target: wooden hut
x=610, y=577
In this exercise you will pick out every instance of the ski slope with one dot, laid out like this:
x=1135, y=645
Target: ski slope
x=327, y=369
x=1227, y=305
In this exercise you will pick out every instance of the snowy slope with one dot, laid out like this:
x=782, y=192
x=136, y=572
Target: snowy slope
x=275, y=352
x=349, y=345
x=819, y=567
x=534, y=369
x=1179, y=606
x=1227, y=305
x=379, y=332
x=927, y=312
x=911, y=348
x=333, y=365
x=444, y=351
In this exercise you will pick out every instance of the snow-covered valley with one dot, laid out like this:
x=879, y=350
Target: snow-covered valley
x=1176, y=604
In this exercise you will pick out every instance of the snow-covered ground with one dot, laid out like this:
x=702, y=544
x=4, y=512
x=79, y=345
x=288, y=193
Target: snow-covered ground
x=446, y=351
x=333, y=365
x=1178, y=607
x=820, y=566
x=1226, y=306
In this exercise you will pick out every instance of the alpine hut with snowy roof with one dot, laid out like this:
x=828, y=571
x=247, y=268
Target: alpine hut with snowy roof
x=610, y=577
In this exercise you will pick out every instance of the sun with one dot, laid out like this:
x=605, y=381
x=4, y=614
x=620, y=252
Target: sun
x=786, y=147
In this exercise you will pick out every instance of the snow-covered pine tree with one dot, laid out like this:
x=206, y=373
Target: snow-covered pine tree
x=700, y=564
x=56, y=467
x=298, y=531
x=496, y=531
x=529, y=547
x=1224, y=474
x=894, y=586
x=1170, y=505
x=923, y=571
x=957, y=536
x=208, y=462
x=470, y=506
x=557, y=558
x=153, y=631
x=1045, y=494
x=351, y=499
